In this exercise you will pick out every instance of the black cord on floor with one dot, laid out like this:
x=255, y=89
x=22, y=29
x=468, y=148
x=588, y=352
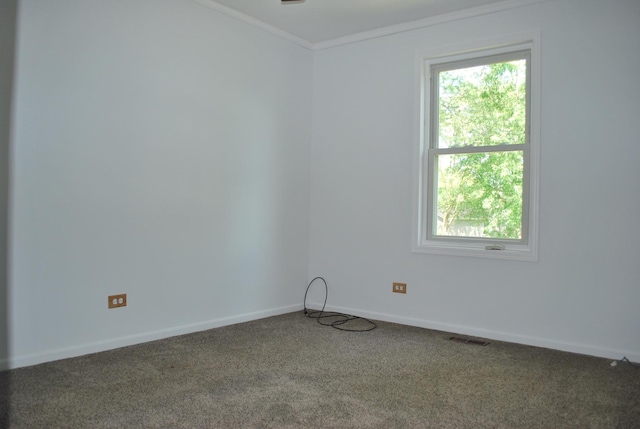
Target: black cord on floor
x=624, y=359
x=339, y=319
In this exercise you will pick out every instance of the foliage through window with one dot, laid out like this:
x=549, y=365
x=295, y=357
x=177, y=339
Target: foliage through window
x=477, y=186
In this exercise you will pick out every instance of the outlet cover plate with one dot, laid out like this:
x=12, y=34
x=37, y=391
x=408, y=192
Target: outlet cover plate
x=399, y=287
x=116, y=301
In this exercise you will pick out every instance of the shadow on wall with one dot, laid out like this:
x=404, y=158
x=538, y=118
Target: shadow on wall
x=8, y=10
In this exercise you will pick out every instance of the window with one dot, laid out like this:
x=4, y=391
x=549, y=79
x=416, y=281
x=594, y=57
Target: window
x=477, y=156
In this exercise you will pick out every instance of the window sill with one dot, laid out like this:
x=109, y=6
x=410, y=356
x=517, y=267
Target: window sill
x=514, y=253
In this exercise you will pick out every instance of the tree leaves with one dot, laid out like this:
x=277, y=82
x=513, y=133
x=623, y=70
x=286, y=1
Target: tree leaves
x=480, y=193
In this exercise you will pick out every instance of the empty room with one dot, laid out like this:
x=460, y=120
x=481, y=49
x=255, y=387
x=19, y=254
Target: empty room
x=320, y=213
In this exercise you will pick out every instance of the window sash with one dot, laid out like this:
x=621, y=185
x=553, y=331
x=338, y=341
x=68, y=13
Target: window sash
x=432, y=191
x=436, y=68
x=431, y=179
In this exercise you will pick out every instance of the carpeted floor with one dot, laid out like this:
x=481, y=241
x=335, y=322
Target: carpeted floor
x=290, y=372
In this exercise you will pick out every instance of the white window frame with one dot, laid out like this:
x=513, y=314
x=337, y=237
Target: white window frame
x=423, y=240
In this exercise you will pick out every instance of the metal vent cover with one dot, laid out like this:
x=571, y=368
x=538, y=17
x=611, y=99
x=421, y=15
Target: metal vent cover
x=469, y=341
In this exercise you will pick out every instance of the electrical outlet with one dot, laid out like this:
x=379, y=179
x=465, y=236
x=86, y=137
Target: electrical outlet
x=400, y=287
x=116, y=301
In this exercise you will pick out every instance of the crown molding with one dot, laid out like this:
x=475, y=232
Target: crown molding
x=372, y=34
x=426, y=22
x=211, y=4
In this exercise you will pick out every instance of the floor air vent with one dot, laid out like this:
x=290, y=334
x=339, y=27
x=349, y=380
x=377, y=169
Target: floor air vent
x=469, y=341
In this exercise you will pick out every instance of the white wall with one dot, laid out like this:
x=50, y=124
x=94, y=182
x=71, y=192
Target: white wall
x=161, y=150
x=7, y=52
x=584, y=293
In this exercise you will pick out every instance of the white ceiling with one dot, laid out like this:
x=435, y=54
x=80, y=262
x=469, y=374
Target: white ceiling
x=319, y=21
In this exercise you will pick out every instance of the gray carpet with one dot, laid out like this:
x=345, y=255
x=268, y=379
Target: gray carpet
x=290, y=372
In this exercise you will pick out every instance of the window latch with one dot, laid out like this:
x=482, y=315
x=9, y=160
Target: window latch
x=494, y=247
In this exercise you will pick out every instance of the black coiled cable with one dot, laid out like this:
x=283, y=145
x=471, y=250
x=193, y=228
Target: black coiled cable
x=339, y=319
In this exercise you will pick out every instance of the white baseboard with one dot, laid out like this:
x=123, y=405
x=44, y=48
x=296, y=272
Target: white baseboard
x=52, y=355
x=83, y=349
x=633, y=356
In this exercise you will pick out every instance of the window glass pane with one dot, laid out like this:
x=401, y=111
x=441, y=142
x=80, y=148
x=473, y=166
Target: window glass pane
x=479, y=195
x=483, y=105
